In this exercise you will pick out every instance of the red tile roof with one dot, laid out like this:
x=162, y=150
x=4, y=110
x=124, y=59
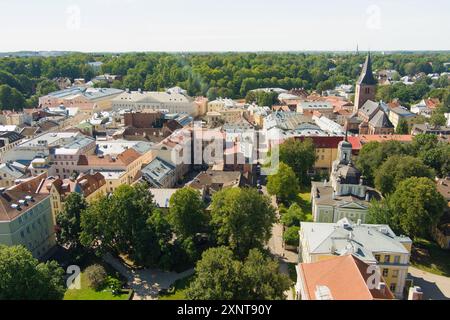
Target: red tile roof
x=344, y=276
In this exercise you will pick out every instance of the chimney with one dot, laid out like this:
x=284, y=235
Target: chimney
x=415, y=293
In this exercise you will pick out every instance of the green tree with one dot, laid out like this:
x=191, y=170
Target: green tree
x=300, y=156
x=241, y=219
x=398, y=168
x=403, y=127
x=284, y=184
x=69, y=220
x=220, y=277
x=373, y=154
x=22, y=277
x=119, y=223
x=416, y=206
x=380, y=212
x=187, y=215
x=217, y=276
x=45, y=86
x=11, y=98
x=438, y=119
x=432, y=152
x=293, y=216
x=291, y=236
x=262, y=279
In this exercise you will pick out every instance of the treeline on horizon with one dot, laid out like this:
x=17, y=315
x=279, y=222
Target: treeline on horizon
x=24, y=79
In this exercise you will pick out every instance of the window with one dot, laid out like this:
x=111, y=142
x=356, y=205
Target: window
x=385, y=272
x=397, y=259
x=395, y=274
x=393, y=287
x=377, y=257
x=387, y=258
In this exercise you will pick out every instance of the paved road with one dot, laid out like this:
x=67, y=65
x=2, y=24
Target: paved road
x=146, y=283
x=434, y=287
x=276, y=245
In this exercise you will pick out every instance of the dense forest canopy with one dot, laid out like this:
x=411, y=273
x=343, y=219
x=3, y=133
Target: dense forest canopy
x=23, y=79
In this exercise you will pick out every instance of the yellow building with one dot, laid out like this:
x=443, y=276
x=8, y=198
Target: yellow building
x=8, y=175
x=114, y=179
x=90, y=186
x=374, y=244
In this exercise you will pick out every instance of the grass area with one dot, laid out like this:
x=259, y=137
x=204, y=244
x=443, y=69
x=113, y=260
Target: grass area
x=304, y=201
x=178, y=291
x=86, y=293
x=428, y=256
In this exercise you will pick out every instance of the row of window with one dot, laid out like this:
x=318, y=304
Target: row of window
x=387, y=259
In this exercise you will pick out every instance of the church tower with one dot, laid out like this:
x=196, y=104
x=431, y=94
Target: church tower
x=366, y=85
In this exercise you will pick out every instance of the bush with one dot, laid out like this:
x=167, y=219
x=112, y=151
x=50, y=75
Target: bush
x=293, y=216
x=115, y=285
x=291, y=236
x=96, y=276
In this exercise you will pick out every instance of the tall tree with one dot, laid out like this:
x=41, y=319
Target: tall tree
x=187, y=214
x=220, y=276
x=417, y=206
x=398, y=168
x=69, y=220
x=284, y=184
x=373, y=154
x=22, y=277
x=402, y=127
x=242, y=219
x=120, y=223
x=300, y=156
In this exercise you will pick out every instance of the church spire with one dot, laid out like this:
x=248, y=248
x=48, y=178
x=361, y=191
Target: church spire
x=367, y=73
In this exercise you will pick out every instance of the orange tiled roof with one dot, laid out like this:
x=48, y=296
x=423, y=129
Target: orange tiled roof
x=124, y=159
x=382, y=138
x=344, y=276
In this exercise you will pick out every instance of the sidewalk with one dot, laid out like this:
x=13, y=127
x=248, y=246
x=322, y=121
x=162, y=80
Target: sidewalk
x=146, y=283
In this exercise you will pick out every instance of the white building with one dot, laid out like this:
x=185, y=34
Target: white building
x=346, y=195
x=157, y=101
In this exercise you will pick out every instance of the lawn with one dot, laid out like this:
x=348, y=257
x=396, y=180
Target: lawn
x=86, y=293
x=304, y=201
x=428, y=256
x=178, y=290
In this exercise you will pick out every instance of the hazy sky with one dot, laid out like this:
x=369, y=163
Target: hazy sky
x=224, y=25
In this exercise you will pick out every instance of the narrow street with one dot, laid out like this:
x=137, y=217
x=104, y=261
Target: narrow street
x=434, y=287
x=276, y=245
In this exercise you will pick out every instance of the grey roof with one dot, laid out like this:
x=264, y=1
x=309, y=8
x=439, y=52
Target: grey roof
x=12, y=136
x=90, y=93
x=366, y=76
x=10, y=170
x=345, y=237
x=79, y=142
x=349, y=174
x=369, y=108
x=403, y=112
x=157, y=171
x=324, y=194
x=143, y=147
x=380, y=120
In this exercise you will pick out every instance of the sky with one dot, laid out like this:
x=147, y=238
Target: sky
x=224, y=25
